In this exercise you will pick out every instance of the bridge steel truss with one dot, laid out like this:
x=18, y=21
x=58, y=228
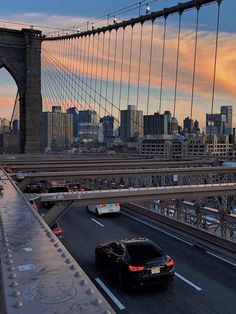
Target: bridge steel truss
x=63, y=201
x=107, y=179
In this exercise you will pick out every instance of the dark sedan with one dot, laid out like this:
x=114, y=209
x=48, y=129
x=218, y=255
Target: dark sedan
x=136, y=262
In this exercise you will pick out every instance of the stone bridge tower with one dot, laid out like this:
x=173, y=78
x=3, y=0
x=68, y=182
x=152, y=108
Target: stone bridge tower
x=20, y=55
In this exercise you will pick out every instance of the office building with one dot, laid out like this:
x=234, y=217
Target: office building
x=90, y=132
x=131, y=125
x=228, y=124
x=110, y=126
x=160, y=124
x=75, y=113
x=220, y=123
x=87, y=116
x=188, y=125
x=57, y=129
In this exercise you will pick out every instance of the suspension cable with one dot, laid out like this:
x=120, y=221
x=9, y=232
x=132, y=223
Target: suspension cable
x=121, y=67
x=108, y=61
x=162, y=64
x=177, y=62
x=101, y=78
x=53, y=60
x=149, y=70
x=215, y=64
x=139, y=65
x=194, y=61
x=87, y=68
x=50, y=59
x=130, y=62
x=96, y=71
x=114, y=72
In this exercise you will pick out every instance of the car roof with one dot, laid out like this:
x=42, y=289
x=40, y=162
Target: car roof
x=135, y=240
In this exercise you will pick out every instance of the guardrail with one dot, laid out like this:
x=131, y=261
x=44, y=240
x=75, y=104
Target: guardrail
x=203, y=237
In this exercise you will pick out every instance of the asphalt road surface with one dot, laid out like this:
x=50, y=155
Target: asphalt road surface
x=203, y=284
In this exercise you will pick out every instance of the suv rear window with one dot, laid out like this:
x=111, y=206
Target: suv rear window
x=55, y=189
x=143, y=252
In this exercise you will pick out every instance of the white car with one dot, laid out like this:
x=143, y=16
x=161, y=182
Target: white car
x=101, y=209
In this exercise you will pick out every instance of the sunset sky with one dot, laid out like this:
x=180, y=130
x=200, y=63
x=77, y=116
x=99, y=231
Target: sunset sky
x=66, y=15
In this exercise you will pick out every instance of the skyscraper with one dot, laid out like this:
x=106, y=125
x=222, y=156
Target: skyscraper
x=75, y=113
x=87, y=116
x=188, y=124
x=131, y=125
x=215, y=123
x=109, y=125
x=220, y=123
x=228, y=124
x=157, y=124
x=57, y=129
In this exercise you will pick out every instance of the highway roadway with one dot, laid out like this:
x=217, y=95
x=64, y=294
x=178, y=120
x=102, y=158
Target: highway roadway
x=204, y=284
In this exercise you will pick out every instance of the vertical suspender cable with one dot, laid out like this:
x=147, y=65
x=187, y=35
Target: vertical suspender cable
x=139, y=64
x=82, y=39
x=215, y=64
x=194, y=62
x=130, y=62
x=100, y=99
x=90, y=92
x=96, y=73
x=177, y=62
x=77, y=69
x=149, y=70
x=162, y=63
x=61, y=70
x=66, y=67
x=121, y=67
x=108, y=62
x=74, y=69
x=114, y=72
x=91, y=69
x=87, y=70
x=83, y=69
x=57, y=57
x=70, y=61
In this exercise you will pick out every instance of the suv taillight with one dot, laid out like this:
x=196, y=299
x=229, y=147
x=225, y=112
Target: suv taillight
x=136, y=268
x=169, y=262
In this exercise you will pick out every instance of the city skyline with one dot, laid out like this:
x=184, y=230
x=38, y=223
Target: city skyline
x=225, y=87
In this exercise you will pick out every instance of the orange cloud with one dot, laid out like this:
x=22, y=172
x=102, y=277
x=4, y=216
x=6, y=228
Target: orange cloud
x=88, y=62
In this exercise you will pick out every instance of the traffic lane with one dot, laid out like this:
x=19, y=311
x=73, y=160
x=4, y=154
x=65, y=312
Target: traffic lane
x=78, y=222
x=192, y=261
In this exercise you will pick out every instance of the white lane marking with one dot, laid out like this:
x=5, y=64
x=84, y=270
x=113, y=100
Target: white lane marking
x=111, y=295
x=221, y=258
x=97, y=222
x=188, y=282
x=156, y=228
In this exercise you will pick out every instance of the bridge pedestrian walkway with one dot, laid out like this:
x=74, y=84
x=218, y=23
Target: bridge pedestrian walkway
x=37, y=274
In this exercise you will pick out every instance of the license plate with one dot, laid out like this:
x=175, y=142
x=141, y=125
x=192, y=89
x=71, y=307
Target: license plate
x=155, y=270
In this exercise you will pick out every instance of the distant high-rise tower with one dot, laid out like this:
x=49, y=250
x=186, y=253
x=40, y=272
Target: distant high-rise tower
x=160, y=124
x=87, y=116
x=228, y=124
x=75, y=114
x=57, y=129
x=188, y=125
x=131, y=125
x=109, y=125
x=220, y=123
